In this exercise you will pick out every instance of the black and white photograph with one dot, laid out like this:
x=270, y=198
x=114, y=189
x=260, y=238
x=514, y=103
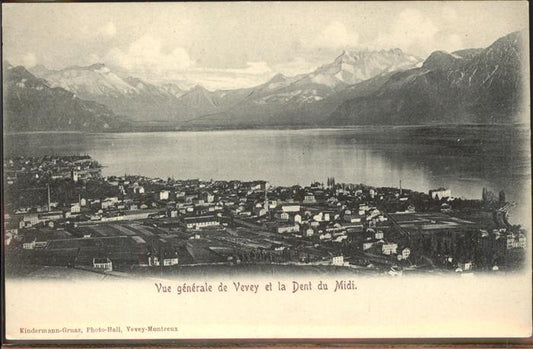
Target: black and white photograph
x=267, y=170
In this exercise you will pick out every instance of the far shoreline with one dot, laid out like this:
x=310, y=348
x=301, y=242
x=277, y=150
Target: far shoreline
x=159, y=129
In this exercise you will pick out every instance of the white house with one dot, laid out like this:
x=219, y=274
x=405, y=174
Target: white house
x=29, y=219
x=200, y=222
x=437, y=194
x=516, y=241
x=290, y=208
x=164, y=195
x=103, y=264
x=154, y=261
x=170, y=261
x=466, y=266
x=337, y=260
x=288, y=228
x=29, y=245
x=389, y=248
x=309, y=199
x=75, y=208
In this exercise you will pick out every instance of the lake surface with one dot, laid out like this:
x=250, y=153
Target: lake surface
x=463, y=158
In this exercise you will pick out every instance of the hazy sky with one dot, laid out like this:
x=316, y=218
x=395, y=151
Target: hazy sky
x=227, y=45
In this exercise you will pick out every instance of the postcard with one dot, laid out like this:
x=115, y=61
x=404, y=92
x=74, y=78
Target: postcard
x=266, y=171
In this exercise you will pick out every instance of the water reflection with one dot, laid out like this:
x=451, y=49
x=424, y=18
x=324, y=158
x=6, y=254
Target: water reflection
x=465, y=158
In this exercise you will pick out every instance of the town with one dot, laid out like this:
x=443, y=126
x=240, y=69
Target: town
x=60, y=211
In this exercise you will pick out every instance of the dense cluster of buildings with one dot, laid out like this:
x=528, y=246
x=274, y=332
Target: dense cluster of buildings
x=129, y=222
x=46, y=168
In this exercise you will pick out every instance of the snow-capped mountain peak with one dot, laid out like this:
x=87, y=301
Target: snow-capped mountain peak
x=354, y=66
x=88, y=82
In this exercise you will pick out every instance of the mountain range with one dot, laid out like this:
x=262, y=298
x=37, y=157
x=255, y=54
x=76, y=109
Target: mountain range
x=308, y=99
x=467, y=86
x=357, y=88
x=130, y=96
x=31, y=104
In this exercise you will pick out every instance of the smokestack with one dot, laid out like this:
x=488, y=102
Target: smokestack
x=266, y=197
x=400, y=187
x=48, y=189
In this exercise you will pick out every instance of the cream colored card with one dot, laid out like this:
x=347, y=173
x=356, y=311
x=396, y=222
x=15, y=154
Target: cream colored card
x=404, y=97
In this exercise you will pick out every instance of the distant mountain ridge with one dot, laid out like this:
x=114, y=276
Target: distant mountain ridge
x=387, y=87
x=30, y=104
x=139, y=100
x=144, y=102
x=466, y=86
x=305, y=99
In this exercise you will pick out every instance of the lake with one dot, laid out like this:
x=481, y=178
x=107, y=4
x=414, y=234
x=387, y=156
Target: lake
x=463, y=158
